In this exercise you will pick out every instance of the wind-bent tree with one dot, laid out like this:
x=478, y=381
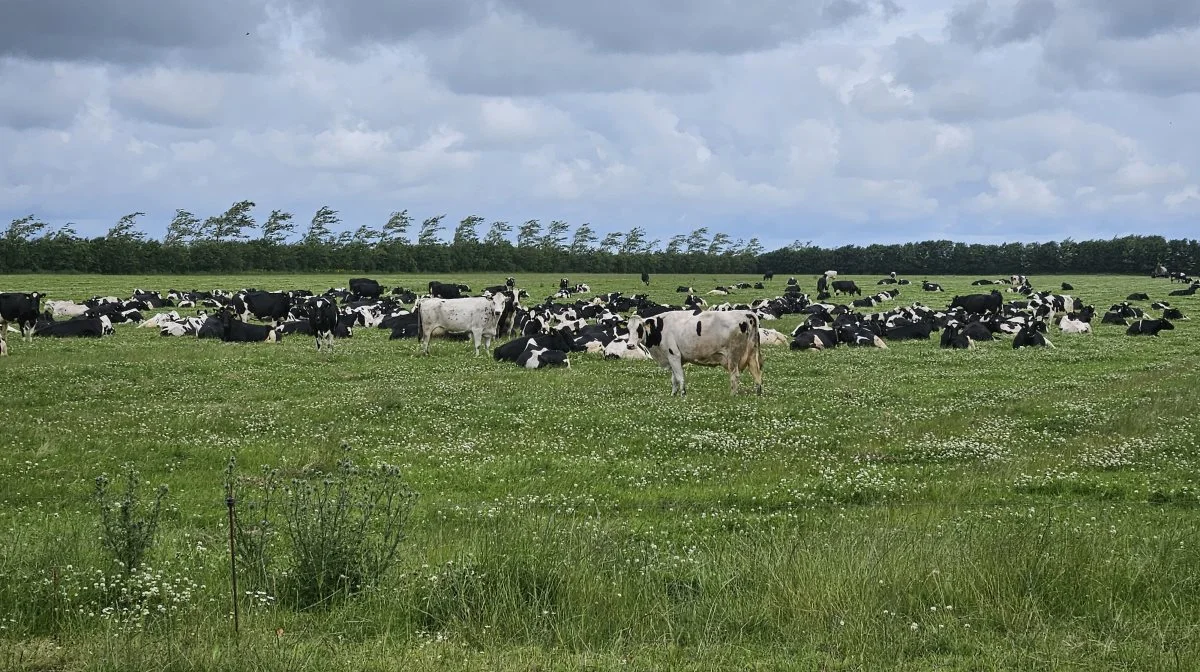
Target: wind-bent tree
x=396, y=228
x=498, y=233
x=278, y=227
x=583, y=240
x=529, y=233
x=320, y=229
x=556, y=235
x=429, y=230
x=753, y=248
x=125, y=229
x=697, y=242
x=233, y=223
x=718, y=243
x=676, y=244
x=465, y=231
x=611, y=242
x=365, y=235
x=182, y=227
x=634, y=241
x=25, y=228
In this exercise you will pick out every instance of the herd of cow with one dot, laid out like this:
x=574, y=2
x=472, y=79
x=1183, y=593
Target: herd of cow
x=624, y=327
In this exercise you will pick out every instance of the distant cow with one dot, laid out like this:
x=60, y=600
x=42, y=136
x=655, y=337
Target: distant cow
x=1066, y=287
x=479, y=316
x=366, y=287
x=715, y=338
x=645, y=278
x=769, y=275
x=22, y=309
x=845, y=287
x=440, y=290
x=1191, y=290
x=979, y=303
x=931, y=286
x=1148, y=327
x=1138, y=296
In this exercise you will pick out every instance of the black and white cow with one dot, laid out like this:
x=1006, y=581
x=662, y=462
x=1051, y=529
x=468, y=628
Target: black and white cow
x=23, y=309
x=845, y=287
x=931, y=286
x=479, y=316
x=323, y=319
x=510, y=351
x=979, y=303
x=1148, y=327
x=954, y=338
x=543, y=358
x=80, y=327
x=234, y=330
x=714, y=338
x=1032, y=336
x=441, y=290
x=270, y=307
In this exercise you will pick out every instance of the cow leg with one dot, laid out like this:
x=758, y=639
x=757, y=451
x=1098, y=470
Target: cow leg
x=735, y=377
x=476, y=336
x=677, y=380
x=317, y=340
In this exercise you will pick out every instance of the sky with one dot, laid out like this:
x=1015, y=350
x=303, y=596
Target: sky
x=830, y=121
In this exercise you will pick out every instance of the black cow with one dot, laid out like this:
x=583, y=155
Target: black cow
x=909, y=332
x=270, y=307
x=366, y=287
x=978, y=331
x=1185, y=292
x=563, y=283
x=439, y=290
x=843, y=287
x=954, y=338
x=1032, y=336
x=1148, y=327
x=80, y=327
x=1138, y=296
x=22, y=309
x=979, y=303
x=769, y=275
x=402, y=326
x=645, y=278
x=234, y=330
x=1172, y=314
x=543, y=358
x=1066, y=287
x=323, y=319
x=931, y=286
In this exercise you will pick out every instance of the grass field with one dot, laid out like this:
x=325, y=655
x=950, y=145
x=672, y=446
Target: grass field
x=908, y=508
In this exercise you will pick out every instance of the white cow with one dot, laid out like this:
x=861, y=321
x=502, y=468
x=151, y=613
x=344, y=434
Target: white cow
x=478, y=315
x=65, y=308
x=1069, y=326
x=727, y=339
x=771, y=337
x=619, y=348
x=160, y=319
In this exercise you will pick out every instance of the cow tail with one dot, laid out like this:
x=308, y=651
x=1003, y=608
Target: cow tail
x=417, y=308
x=757, y=340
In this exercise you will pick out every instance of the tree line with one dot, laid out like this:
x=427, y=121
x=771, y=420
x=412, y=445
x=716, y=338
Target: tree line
x=234, y=242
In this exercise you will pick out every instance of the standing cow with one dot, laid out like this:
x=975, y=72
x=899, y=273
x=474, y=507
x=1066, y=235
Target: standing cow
x=22, y=309
x=322, y=319
x=480, y=316
x=729, y=339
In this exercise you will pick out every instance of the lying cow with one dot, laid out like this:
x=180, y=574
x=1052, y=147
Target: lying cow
x=543, y=358
x=1148, y=327
x=714, y=338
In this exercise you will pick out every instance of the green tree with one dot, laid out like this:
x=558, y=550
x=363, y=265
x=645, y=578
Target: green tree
x=125, y=229
x=611, y=242
x=278, y=227
x=529, y=233
x=556, y=235
x=753, y=248
x=183, y=226
x=465, y=231
x=718, y=243
x=65, y=232
x=365, y=235
x=397, y=227
x=429, y=230
x=345, y=238
x=697, y=243
x=634, y=242
x=498, y=233
x=676, y=244
x=583, y=240
x=233, y=223
x=25, y=228
x=320, y=229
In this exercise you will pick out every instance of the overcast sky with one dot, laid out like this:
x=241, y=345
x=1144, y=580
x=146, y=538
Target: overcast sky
x=826, y=120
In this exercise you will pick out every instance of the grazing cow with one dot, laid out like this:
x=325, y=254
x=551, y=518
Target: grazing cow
x=645, y=278
x=543, y=358
x=1032, y=336
x=979, y=303
x=714, y=338
x=1070, y=325
x=22, y=309
x=931, y=286
x=323, y=319
x=366, y=287
x=234, y=330
x=845, y=287
x=480, y=316
x=270, y=307
x=1066, y=287
x=440, y=290
x=1148, y=327
x=769, y=275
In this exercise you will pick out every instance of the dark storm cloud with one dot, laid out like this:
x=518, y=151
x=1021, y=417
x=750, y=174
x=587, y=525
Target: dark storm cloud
x=209, y=33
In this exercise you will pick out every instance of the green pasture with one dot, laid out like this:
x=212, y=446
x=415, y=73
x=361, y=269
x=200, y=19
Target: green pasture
x=908, y=508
